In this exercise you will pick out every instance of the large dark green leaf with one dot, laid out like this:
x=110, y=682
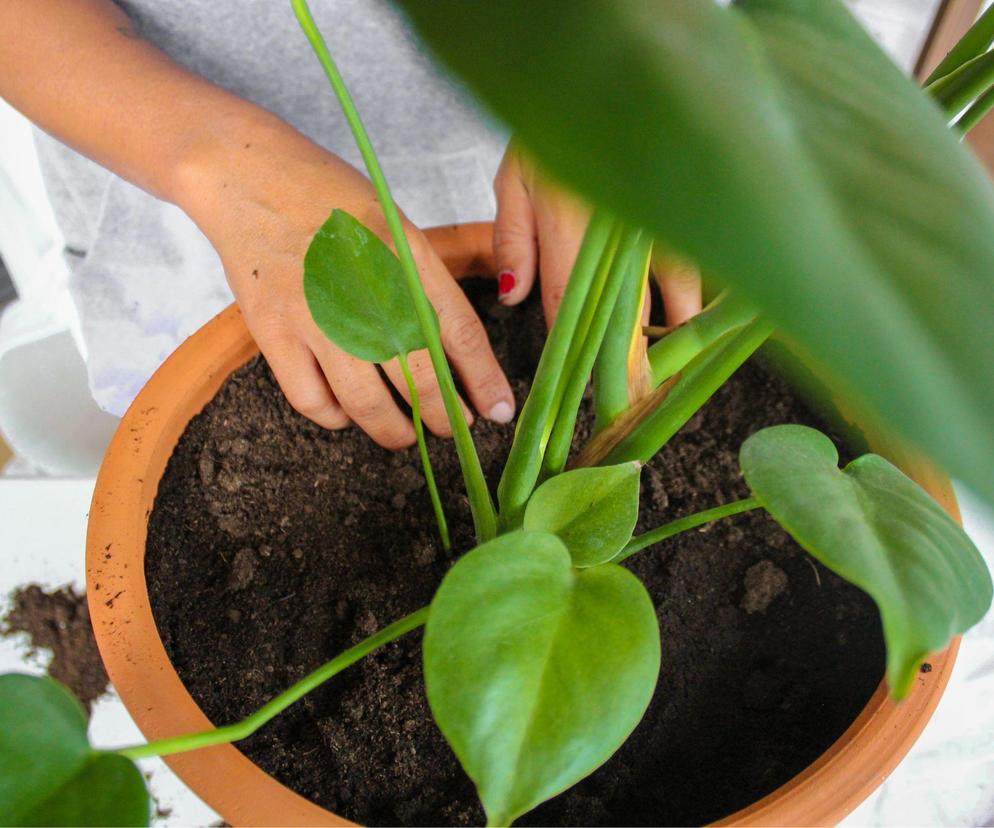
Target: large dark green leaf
x=49, y=774
x=774, y=144
x=537, y=672
x=879, y=529
x=356, y=291
x=593, y=511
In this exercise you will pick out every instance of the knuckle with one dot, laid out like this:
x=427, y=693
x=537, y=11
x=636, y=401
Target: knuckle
x=423, y=374
x=268, y=325
x=510, y=235
x=489, y=383
x=366, y=406
x=466, y=334
x=428, y=389
x=307, y=400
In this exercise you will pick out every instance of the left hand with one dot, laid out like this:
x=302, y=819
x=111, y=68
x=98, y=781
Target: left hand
x=539, y=228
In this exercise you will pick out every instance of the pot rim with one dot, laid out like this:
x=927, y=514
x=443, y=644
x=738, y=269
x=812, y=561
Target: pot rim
x=137, y=663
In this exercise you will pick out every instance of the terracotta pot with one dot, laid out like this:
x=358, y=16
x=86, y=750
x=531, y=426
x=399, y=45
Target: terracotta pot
x=243, y=793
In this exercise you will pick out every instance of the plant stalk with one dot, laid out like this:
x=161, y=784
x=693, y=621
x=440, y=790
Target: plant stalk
x=640, y=542
x=975, y=114
x=484, y=516
x=975, y=42
x=673, y=352
x=958, y=90
x=524, y=461
x=246, y=727
x=600, y=307
x=419, y=430
x=611, y=369
x=704, y=375
x=591, y=305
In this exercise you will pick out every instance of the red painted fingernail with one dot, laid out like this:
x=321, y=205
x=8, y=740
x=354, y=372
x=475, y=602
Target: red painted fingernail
x=505, y=283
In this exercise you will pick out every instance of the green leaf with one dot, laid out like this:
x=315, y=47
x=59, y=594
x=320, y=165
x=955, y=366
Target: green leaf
x=787, y=156
x=878, y=529
x=49, y=774
x=107, y=790
x=537, y=672
x=592, y=511
x=356, y=292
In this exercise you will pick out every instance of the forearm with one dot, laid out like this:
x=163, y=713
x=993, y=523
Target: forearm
x=78, y=70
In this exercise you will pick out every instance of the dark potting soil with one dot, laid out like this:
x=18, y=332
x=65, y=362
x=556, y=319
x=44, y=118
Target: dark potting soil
x=274, y=545
x=59, y=620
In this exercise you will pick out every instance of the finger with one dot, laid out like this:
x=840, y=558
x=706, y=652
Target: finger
x=680, y=286
x=365, y=397
x=515, y=243
x=432, y=406
x=465, y=341
x=561, y=222
x=302, y=380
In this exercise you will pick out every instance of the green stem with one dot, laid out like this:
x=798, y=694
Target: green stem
x=958, y=90
x=246, y=727
x=975, y=114
x=524, y=462
x=484, y=517
x=975, y=42
x=600, y=303
x=436, y=501
x=590, y=309
x=703, y=376
x=673, y=352
x=611, y=368
x=640, y=542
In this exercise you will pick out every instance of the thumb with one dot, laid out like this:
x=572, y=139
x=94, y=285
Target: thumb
x=515, y=244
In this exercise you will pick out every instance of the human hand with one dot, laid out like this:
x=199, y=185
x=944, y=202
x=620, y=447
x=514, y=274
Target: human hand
x=539, y=228
x=260, y=202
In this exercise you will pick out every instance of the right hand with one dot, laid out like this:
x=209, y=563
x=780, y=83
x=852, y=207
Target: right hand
x=260, y=203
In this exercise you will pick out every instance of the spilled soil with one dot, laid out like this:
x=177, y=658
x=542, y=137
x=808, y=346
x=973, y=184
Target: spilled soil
x=59, y=621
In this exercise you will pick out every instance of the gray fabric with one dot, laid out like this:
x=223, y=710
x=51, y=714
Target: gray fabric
x=143, y=277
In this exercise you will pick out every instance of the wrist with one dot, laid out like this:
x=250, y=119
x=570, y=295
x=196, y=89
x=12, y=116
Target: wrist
x=214, y=157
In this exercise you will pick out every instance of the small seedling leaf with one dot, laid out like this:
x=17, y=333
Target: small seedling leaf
x=878, y=529
x=356, y=291
x=593, y=511
x=49, y=774
x=537, y=672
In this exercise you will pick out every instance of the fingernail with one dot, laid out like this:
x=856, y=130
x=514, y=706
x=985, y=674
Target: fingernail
x=505, y=283
x=503, y=412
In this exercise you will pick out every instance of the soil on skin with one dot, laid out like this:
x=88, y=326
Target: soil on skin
x=60, y=621
x=274, y=545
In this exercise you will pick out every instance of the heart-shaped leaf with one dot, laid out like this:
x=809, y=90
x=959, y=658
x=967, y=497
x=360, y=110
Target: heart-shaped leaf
x=537, y=672
x=878, y=529
x=356, y=292
x=593, y=511
x=788, y=157
x=49, y=774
